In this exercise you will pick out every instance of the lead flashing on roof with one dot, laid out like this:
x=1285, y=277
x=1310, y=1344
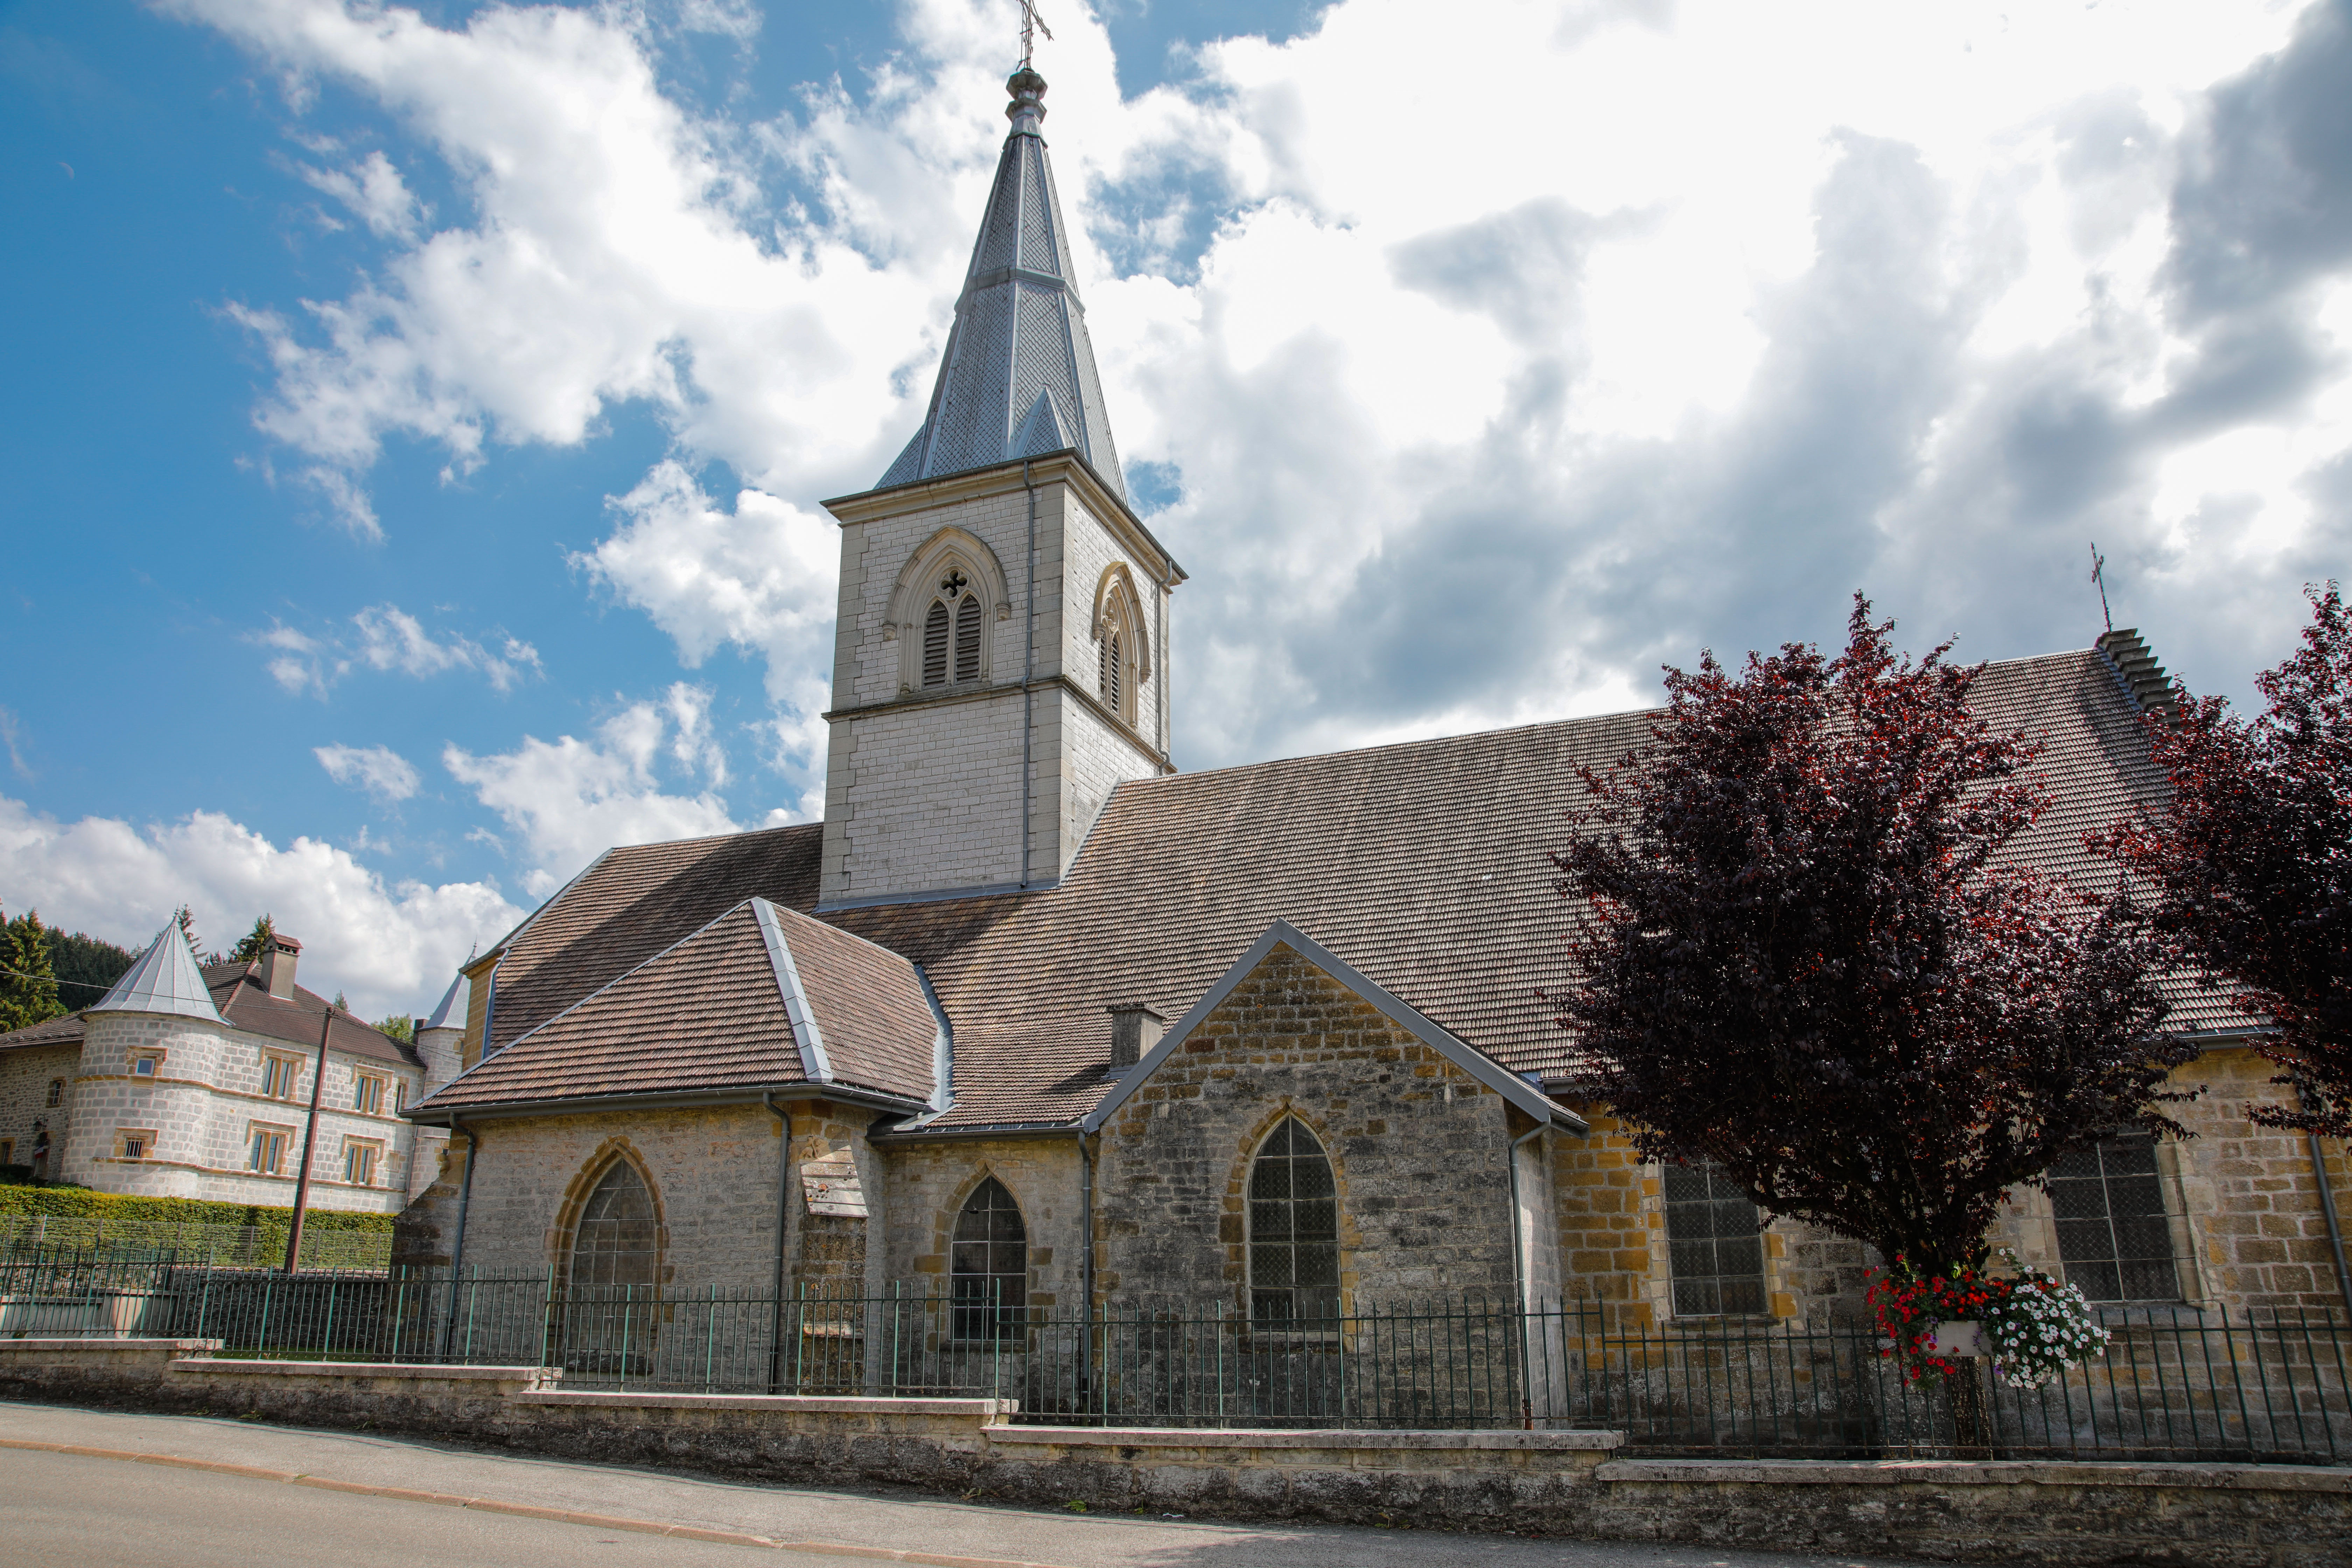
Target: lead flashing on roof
x=942, y=1046
x=1515, y=1090
x=805, y=1033
x=935, y=895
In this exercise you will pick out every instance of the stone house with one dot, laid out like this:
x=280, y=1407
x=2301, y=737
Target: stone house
x=200, y=1081
x=1031, y=1018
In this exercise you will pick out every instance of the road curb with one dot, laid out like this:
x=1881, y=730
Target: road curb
x=524, y=1510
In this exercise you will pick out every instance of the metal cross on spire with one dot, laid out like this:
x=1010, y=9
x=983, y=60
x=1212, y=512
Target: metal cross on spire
x=1031, y=25
x=2099, y=575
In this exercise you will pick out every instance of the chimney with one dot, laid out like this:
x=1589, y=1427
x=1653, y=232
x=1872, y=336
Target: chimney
x=278, y=966
x=1135, y=1028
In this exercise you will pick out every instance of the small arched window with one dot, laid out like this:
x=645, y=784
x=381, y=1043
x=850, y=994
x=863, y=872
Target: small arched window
x=988, y=1266
x=1294, y=1231
x=1112, y=678
x=615, y=1243
x=1122, y=648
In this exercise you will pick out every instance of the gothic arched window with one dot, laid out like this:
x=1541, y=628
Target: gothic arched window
x=1122, y=646
x=1294, y=1230
x=616, y=1242
x=951, y=632
x=989, y=1265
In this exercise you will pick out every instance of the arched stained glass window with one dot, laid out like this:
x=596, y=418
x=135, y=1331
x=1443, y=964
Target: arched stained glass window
x=615, y=1243
x=1294, y=1230
x=989, y=1266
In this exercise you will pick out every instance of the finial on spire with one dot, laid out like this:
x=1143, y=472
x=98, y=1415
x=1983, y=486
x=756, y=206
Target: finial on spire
x=1031, y=25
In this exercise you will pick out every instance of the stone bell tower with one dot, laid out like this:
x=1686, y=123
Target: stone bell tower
x=1000, y=662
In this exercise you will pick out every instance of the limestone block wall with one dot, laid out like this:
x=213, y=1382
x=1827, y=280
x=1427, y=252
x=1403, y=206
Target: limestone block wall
x=1417, y=1147
x=2254, y=1233
x=26, y=1075
x=928, y=1183
x=926, y=797
x=711, y=1172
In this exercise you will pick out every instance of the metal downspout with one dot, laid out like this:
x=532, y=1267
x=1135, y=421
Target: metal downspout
x=1519, y=1274
x=1086, y=1266
x=2327, y=1206
x=1160, y=687
x=783, y=1211
x=458, y=1248
x=1028, y=670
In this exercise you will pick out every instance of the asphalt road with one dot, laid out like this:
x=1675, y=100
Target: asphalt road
x=129, y=1505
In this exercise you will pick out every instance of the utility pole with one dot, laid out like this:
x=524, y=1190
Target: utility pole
x=309, y=1143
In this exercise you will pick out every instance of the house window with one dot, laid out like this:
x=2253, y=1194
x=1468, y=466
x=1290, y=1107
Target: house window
x=616, y=1242
x=367, y=1095
x=134, y=1144
x=7, y=1151
x=1715, y=1243
x=278, y=1076
x=360, y=1162
x=952, y=633
x=57, y=1091
x=2113, y=1236
x=267, y=1153
x=146, y=1065
x=1294, y=1231
x=400, y=1096
x=989, y=1265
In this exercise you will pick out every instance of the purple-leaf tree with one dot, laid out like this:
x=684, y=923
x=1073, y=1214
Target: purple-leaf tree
x=2249, y=862
x=1808, y=959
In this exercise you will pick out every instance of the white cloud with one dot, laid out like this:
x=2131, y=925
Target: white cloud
x=390, y=946
x=1495, y=362
x=376, y=193
x=393, y=640
x=379, y=770
x=570, y=800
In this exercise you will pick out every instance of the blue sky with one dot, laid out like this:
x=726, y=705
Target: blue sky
x=412, y=466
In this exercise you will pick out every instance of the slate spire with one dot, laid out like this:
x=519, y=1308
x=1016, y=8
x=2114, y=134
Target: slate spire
x=1018, y=378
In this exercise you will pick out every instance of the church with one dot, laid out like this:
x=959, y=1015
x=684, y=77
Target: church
x=1032, y=1018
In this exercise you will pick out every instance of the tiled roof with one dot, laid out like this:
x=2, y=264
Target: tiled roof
x=1424, y=865
x=65, y=1031
x=709, y=1013
x=633, y=902
x=244, y=999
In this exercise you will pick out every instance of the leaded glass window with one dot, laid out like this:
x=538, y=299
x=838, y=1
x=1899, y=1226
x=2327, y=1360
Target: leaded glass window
x=615, y=1243
x=989, y=1265
x=2113, y=1235
x=1294, y=1235
x=1715, y=1243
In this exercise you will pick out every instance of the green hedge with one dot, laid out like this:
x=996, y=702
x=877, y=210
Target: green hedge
x=81, y=1203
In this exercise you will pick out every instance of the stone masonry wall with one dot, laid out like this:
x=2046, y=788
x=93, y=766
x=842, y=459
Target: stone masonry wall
x=26, y=1075
x=1417, y=1147
x=929, y=1182
x=712, y=1174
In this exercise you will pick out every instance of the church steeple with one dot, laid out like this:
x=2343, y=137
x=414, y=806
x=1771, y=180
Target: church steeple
x=1018, y=379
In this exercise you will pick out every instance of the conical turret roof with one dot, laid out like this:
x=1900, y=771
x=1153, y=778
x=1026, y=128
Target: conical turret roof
x=451, y=1012
x=1018, y=379
x=164, y=980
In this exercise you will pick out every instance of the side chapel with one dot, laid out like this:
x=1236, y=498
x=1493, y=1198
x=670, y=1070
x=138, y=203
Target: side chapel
x=1033, y=1016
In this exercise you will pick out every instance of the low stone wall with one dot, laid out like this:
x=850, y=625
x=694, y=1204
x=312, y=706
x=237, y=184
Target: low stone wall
x=1565, y=1484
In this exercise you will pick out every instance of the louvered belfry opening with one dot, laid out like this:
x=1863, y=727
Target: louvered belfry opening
x=967, y=638
x=1112, y=681
x=935, y=645
x=1294, y=1233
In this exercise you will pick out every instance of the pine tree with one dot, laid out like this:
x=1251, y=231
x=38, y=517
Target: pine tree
x=28, y=990
x=254, y=946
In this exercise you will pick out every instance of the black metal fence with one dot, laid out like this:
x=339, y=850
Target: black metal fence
x=2174, y=1384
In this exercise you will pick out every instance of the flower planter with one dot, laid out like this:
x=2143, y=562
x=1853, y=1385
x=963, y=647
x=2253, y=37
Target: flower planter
x=1961, y=1339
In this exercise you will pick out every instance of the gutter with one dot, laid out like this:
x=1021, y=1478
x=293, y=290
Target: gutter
x=1086, y=1268
x=748, y=1095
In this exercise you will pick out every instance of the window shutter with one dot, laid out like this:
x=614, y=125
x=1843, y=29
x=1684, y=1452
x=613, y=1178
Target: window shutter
x=935, y=645
x=1117, y=676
